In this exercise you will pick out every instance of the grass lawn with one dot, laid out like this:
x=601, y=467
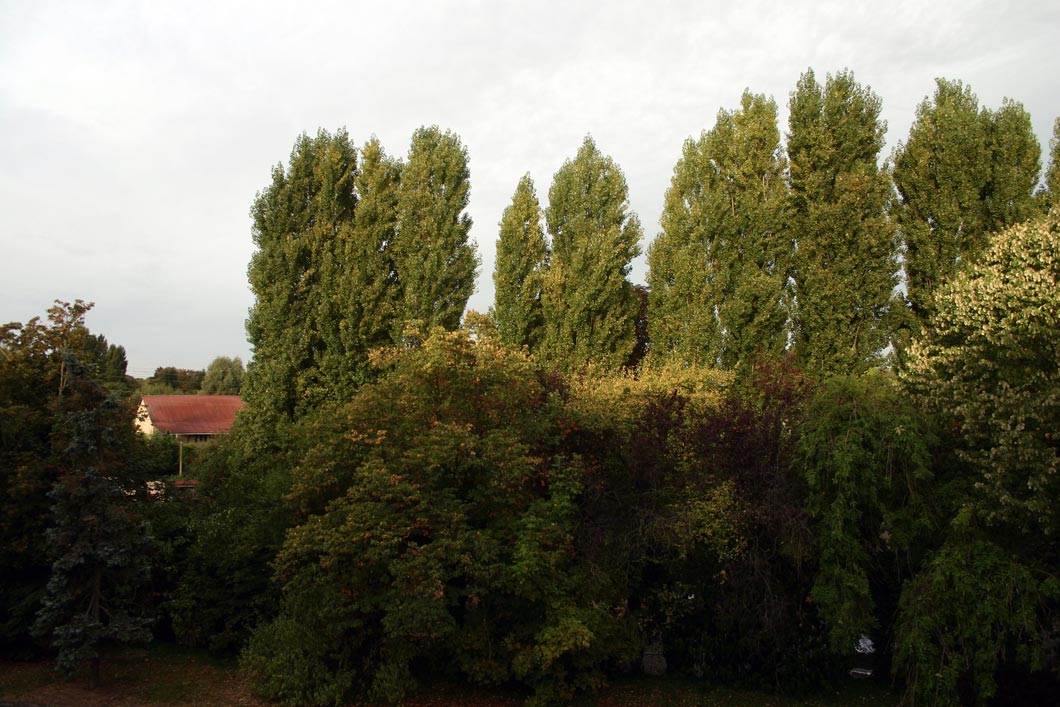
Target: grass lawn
x=163, y=675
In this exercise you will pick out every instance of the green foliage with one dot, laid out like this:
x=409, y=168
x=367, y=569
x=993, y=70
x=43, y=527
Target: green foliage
x=750, y=621
x=95, y=537
x=29, y=379
x=108, y=363
x=521, y=261
x=719, y=268
x=866, y=457
x=992, y=367
x=1016, y=163
x=961, y=174
x=588, y=304
x=235, y=526
x=60, y=430
x=436, y=261
x=989, y=367
x=846, y=248
x=371, y=289
x=301, y=222
x=168, y=380
x=941, y=172
x=438, y=519
x=974, y=607
x=349, y=255
x=224, y=376
x=1052, y=175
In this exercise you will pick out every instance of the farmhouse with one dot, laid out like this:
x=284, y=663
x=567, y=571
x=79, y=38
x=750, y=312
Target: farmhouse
x=189, y=418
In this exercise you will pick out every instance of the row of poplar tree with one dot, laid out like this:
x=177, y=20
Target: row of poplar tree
x=762, y=248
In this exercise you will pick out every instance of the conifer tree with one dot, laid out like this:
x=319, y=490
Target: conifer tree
x=718, y=270
x=435, y=258
x=588, y=304
x=301, y=222
x=962, y=173
x=521, y=259
x=846, y=249
x=97, y=539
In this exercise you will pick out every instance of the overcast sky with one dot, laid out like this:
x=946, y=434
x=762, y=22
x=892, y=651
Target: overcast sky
x=134, y=135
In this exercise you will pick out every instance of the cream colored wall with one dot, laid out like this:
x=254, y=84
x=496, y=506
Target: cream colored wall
x=143, y=420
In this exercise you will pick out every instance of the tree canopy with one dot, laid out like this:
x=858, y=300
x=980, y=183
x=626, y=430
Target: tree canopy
x=72, y=473
x=352, y=246
x=224, y=376
x=522, y=259
x=588, y=304
x=436, y=260
x=962, y=172
x=846, y=256
x=719, y=268
x=990, y=369
x=300, y=223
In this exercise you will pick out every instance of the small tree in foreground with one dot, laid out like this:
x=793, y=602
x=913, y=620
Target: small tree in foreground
x=96, y=532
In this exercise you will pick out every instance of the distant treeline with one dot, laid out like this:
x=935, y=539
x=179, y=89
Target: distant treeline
x=224, y=376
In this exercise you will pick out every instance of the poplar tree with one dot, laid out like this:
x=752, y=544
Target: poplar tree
x=521, y=259
x=846, y=248
x=371, y=290
x=962, y=173
x=588, y=304
x=435, y=257
x=718, y=270
x=941, y=173
x=1052, y=175
x=1016, y=165
x=301, y=223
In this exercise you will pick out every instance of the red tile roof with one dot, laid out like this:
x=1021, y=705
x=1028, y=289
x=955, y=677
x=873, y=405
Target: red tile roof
x=193, y=414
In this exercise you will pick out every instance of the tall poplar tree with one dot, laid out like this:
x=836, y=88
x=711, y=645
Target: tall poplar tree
x=846, y=248
x=962, y=173
x=1016, y=165
x=521, y=260
x=941, y=173
x=718, y=270
x=588, y=304
x=301, y=223
x=371, y=291
x=435, y=257
x=1052, y=175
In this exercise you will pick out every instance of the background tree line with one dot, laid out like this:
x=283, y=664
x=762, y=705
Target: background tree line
x=531, y=500
x=224, y=376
